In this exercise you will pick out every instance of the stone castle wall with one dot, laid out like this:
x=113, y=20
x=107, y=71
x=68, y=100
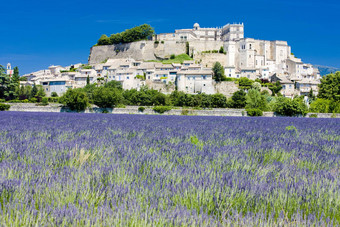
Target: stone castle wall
x=209, y=59
x=226, y=88
x=141, y=50
x=149, y=50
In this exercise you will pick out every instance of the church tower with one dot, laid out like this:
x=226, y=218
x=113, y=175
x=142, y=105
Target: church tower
x=9, y=69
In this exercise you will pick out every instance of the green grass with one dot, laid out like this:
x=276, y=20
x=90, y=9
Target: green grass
x=178, y=59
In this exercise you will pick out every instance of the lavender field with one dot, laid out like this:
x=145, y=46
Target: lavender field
x=140, y=170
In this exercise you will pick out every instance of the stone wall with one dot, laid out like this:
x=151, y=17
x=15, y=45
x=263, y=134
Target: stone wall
x=161, y=87
x=226, y=88
x=141, y=50
x=149, y=50
x=209, y=59
x=57, y=108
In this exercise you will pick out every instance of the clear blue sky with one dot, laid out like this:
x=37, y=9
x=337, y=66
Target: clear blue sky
x=36, y=34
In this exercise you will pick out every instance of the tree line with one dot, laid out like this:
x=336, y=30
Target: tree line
x=141, y=32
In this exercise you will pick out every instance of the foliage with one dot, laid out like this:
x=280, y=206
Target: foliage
x=187, y=48
x=290, y=107
x=162, y=109
x=275, y=88
x=40, y=93
x=54, y=94
x=106, y=97
x=255, y=100
x=141, y=109
x=245, y=83
x=219, y=101
x=75, y=99
x=178, y=59
x=88, y=80
x=44, y=101
x=4, y=107
x=238, y=99
x=134, y=34
x=330, y=87
x=8, y=87
x=254, y=112
x=222, y=51
x=15, y=77
x=313, y=115
x=218, y=72
x=104, y=40
x=86, y=67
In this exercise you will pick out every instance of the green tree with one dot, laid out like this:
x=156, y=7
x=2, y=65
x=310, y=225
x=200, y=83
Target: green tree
x=54, y=94
x=104, y=40
x=105, y=97
x=329, y=88
x=34, y=90
x=221, y=51
x=218, y=72
x=8, y=88
x=238, y=100
x=219, y=100
x=40, y=94
x=75, y=99
x=275, y=88
x=88, y=80
x=290, y=107
x=16, y=77
x=245, y=83
x=255, y=100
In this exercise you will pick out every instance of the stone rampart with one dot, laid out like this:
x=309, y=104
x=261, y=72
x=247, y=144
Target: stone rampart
x=209, y=59
x=141, y=50
x=227, y=88
x=149, y=50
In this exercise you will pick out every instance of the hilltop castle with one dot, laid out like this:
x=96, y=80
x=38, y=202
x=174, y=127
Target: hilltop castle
x=240, y=57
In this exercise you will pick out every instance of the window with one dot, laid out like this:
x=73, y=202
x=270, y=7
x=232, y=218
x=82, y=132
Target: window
x=127, y=77
x=229, y=75
x=248, y=76
x=250, y=46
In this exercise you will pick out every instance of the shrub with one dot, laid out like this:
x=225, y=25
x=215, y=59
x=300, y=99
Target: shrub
x=313, y=115
x=2, y=100
x=254, y=112
x=289, y=107
x=53, y=99
x=4, y=107
x=162, y=42
x=172, y=56
x=105, y=97
x=44, y=101
x=75, y=99
x=120, y=105
x=156, y=42
x=184, y=112
x=34, y=100
x=161, y=109
x=141, y=109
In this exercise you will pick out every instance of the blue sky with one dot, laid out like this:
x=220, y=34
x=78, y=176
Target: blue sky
x=36, y=34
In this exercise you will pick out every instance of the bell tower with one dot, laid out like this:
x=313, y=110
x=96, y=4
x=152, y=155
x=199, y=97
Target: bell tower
x=9, y=69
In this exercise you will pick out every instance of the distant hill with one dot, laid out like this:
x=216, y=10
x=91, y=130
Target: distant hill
x=324, y=70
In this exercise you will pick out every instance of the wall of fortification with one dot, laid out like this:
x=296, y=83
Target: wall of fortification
x=227, y=88
x=200, y=45
x=141, y=50
x=209, y=59
x=149, y=50
x=161, y=87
